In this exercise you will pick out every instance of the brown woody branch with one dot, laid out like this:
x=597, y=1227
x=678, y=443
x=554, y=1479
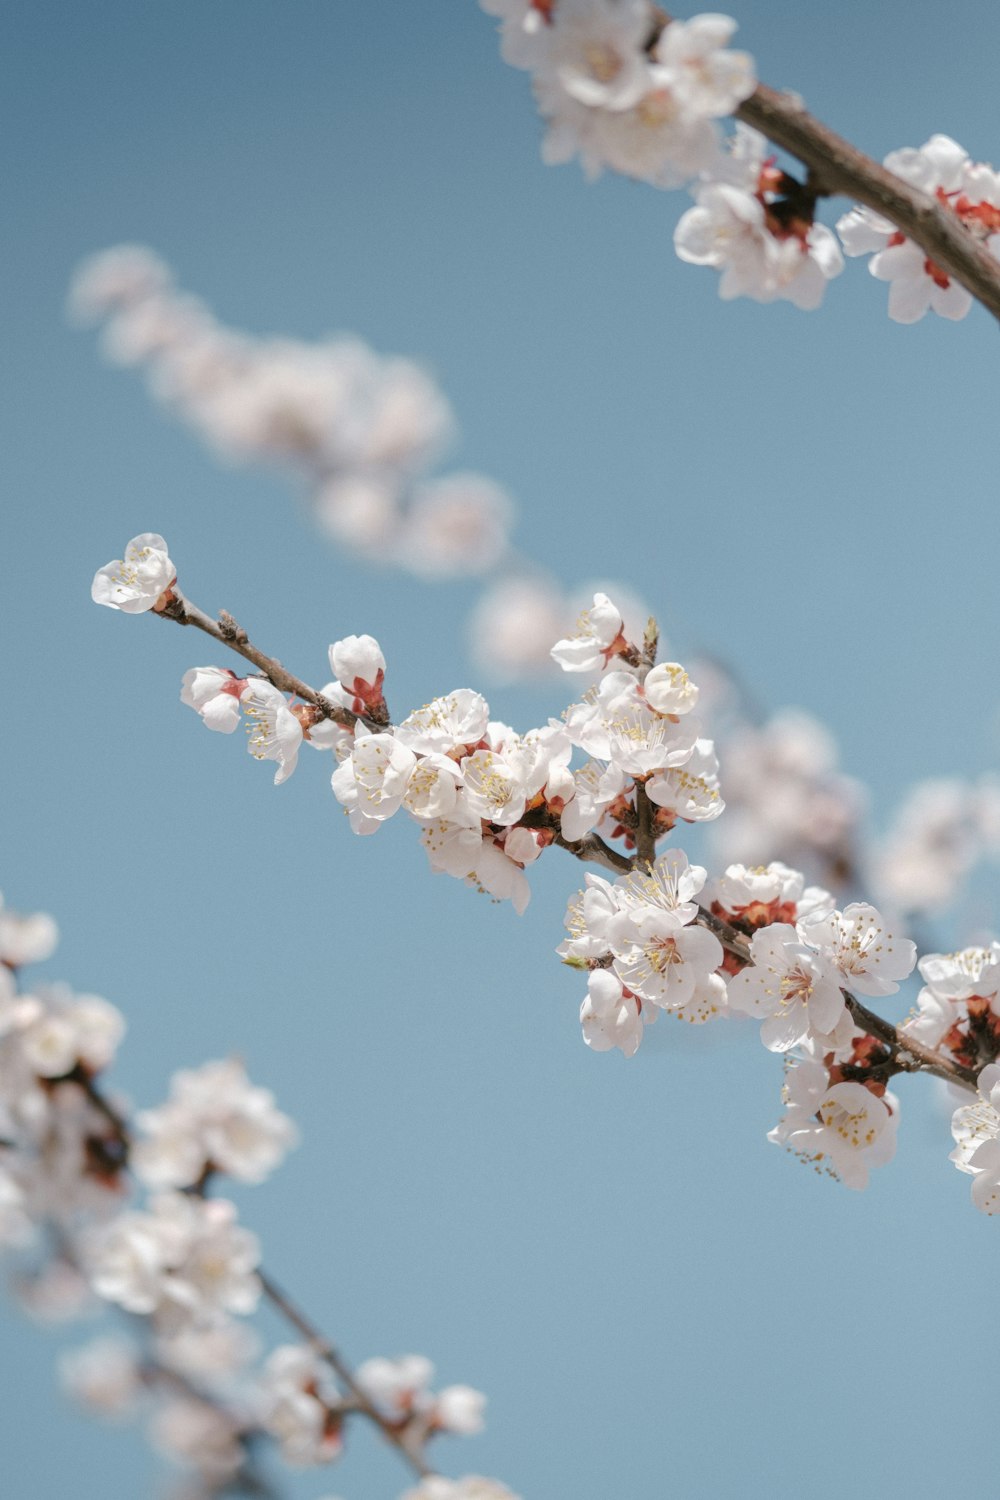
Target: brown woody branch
x=226, y=631
x=837, y=167
x=908, y=1054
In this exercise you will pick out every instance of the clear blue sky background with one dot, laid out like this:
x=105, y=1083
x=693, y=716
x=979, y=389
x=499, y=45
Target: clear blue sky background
x=657, y=1302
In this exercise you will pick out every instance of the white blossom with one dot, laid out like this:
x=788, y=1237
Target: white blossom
x=138, y=581
x=597, y=51
x=469, y=1487
x=183, y=1260
x=976, y=1129
x=103, y=1375
x=661, y=961
x=456, y=526
x=463, y=852
x=731, y=229
x=689, y=791
x=26, y=938
x=300, y=1406
x=598, y=637
x=513, y=625
x=795, y=989
x=198, y=1434
x=608, y=1016
x=856, y=940
x=845, y=1127
x=214, y=692
x=595, y=787
x=669, y=690
x=273, y=731
x=705, y=77
x=456, y=722
x=941, y=168
x=359, y=666
x=215, y=1118
x=371, y=783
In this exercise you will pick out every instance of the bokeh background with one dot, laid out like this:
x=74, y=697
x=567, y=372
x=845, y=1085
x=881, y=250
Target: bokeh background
x=657, y=1302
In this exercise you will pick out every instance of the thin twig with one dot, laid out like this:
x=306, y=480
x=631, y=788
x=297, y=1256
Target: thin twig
x=226, y=631
x=910, y=1054
x=322, y=1346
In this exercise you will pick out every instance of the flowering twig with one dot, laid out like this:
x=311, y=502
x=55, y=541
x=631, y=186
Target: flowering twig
x=908, y=1055
x=835, y=166
x=228, y=633
x=395, y=1433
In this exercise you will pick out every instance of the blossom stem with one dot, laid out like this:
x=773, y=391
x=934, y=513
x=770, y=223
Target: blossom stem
x=227, y=632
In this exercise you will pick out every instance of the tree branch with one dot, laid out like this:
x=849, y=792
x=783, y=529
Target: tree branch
x=909, y=1055
x=836, y=166
x=226, y=631
x=645, y=831
x=593, y=848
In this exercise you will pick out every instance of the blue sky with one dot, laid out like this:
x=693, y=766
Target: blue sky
x=656, y=1301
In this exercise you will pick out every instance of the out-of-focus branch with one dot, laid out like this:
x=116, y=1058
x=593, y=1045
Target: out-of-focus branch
x=397, y=1434
x=400, y=1435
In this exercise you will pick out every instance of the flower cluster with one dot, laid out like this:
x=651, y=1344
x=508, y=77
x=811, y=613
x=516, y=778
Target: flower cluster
x=970, y=190
x=753, y=223
x=622, y=86
x=360, y=428
x=621, y=90
x=215, y=1120
x=179, y=1264
x=489, y=800
x=958, y=1010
